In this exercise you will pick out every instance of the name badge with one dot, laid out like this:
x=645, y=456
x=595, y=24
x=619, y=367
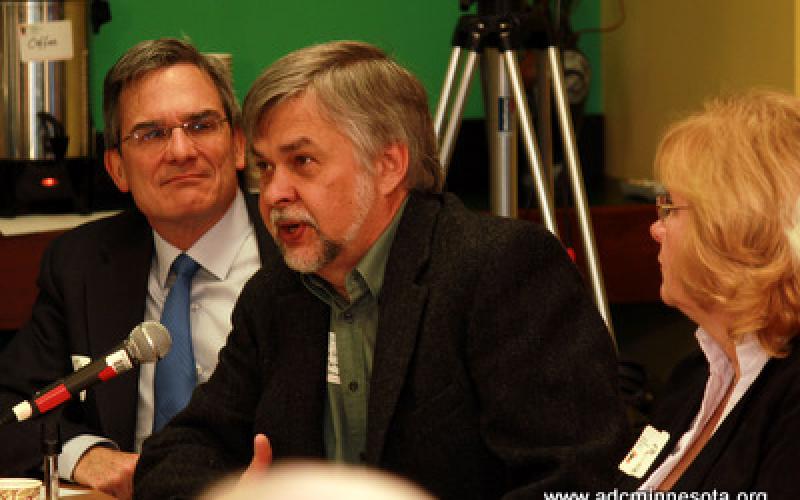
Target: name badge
x=333, y=360
x=644, y=452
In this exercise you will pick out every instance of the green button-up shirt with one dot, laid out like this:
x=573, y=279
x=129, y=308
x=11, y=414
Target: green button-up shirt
x=351, y=345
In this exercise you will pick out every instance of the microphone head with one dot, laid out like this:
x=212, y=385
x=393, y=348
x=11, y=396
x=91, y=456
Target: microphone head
x=148, y=342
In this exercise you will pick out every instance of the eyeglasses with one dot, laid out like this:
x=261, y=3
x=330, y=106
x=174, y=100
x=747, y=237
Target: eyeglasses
x=664, y=206
x=154, y=137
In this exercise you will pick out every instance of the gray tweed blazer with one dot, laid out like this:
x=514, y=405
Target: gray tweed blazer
x=493, y=373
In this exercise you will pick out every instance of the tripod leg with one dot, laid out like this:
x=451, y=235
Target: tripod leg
x=501, y=132
x=447, y=88
x=447, y=142
x=576, y=181
x=545, y=198
x=542, y=108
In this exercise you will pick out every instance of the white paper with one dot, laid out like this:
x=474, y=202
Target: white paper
x=51, y=41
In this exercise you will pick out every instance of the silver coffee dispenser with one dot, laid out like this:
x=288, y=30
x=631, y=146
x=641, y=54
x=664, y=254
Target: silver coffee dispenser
x=45, y=153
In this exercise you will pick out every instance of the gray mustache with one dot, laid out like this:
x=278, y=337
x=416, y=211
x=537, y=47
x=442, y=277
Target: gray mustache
x=279, y=215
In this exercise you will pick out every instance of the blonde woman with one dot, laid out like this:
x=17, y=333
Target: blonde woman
x=729, y=231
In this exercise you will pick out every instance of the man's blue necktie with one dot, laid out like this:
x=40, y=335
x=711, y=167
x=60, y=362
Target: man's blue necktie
x=176, y=376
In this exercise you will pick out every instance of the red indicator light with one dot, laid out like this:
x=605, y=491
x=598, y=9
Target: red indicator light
x=49, y=182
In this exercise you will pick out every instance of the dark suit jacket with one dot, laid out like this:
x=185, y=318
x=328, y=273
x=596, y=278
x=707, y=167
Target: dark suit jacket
x=757, y=446
x=92, y=290
x=493, y=373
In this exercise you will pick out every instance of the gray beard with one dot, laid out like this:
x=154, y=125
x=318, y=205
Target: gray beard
x=330, y=250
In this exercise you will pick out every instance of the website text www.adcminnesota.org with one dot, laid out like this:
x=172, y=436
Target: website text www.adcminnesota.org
x=657, y=495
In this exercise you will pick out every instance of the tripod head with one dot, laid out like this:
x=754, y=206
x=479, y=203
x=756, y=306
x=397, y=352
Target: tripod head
x=525, y=26
x=556, y=24
x=536, y=16
x=495, y=7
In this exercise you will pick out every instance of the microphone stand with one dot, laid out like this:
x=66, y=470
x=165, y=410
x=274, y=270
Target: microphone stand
x=51, y=447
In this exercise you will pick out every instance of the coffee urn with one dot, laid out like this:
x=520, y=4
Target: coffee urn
x=45, y=149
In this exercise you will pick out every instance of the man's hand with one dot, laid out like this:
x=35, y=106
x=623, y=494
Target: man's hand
x=107, y=470
x=262, y=458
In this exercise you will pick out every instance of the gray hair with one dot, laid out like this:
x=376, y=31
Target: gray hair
x=151, y=55
x=371, y=98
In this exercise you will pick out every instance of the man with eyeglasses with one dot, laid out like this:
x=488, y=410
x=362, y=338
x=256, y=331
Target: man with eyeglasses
x=174, y=142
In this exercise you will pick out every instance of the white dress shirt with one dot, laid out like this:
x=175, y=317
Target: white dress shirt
x=752, y=358
x=228, y=257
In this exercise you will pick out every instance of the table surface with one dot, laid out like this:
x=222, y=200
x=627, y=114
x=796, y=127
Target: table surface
x=81, y=493
x=627, y=254
x=32, y=224
x=77, y=492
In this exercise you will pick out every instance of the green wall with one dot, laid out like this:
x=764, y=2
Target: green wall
x=256, y=32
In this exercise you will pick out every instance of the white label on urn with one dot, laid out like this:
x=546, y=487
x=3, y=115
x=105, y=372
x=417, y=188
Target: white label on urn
x=50, y=41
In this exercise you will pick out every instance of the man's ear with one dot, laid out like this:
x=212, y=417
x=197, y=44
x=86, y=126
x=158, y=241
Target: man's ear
x=114, y=166
x=392, y=167
x=239, y=148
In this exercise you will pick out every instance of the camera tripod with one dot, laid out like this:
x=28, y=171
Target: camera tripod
x=494, y=34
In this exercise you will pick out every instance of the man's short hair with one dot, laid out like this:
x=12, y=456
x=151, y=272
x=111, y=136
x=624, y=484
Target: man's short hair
x=373, y=100
x=151, y=55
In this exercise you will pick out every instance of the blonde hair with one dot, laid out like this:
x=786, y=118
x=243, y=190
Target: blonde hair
x=737, y=164
x=371, y=98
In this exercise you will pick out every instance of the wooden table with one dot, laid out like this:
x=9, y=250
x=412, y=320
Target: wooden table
x=628, y=255
x=19, y=267
x=22, y=242
x=627, y=258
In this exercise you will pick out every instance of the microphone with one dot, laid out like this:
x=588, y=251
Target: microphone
x=148, y=342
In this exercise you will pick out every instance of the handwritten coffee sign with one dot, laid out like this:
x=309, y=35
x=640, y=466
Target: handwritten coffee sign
x=50, y=41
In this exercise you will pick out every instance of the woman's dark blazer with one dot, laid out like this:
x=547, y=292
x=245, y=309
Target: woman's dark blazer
x=755, y=449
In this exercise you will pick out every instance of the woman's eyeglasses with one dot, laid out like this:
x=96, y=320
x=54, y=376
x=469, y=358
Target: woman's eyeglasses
x=664, y=206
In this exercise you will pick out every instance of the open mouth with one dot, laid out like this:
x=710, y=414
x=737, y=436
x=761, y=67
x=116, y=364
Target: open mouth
x=291, y=231
x=290, y=228
x=290, y=225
